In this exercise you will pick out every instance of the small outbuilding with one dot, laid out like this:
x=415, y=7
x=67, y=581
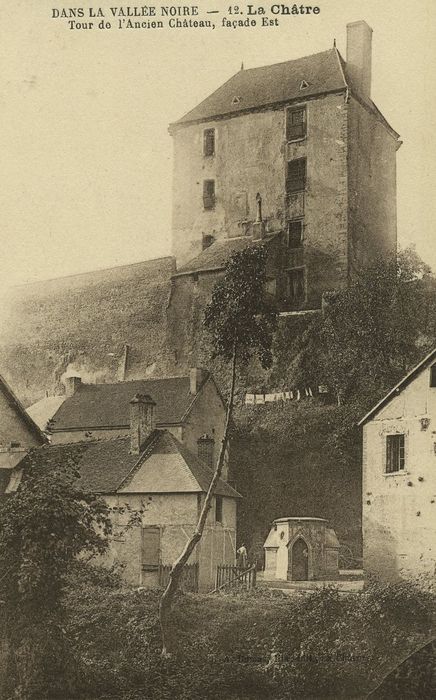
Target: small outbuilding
x=301, y=549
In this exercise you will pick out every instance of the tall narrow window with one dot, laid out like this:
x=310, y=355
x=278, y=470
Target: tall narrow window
x=218, y=509
x=297, y=286
x=295, y=124
x=295, y=233
x=209, y=142
x=296, y=175
x=208, y=194
x=433, y=376
x=394, y=453
x=150, y=550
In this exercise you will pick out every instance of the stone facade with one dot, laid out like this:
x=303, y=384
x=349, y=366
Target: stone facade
x=399, y=479
x=346, y=207
x=301, y=549
x=175, y=518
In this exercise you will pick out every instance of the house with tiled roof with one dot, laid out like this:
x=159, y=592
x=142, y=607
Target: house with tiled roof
x=155, y=486
x=18, y=434
x=296, y=157
x=191, y=407
x=399, y=478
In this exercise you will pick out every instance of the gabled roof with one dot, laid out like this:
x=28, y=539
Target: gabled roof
x=21, y=411
x=164, y=466
x=424, y=364
x=269, y=85
x=215, y=256
x=107, y=405
x=43, y=410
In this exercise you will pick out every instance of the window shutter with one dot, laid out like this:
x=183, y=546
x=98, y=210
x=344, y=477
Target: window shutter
x=296, y=176
x=150, y=549
x=295, y=124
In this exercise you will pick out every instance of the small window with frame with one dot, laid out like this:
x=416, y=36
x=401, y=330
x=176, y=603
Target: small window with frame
x=209, y=142
x=209, y=194
x=296, y=175
x=295, y=123
x=395, y=453
x=294, y=233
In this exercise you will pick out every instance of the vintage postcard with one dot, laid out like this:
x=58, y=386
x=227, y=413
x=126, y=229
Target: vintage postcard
x=218, y=350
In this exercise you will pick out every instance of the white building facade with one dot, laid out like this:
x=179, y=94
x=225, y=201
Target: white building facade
x=399, y=478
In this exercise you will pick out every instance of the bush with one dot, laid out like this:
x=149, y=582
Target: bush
x=241, y=646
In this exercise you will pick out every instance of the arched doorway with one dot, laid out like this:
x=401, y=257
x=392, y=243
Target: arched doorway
x=299, y=564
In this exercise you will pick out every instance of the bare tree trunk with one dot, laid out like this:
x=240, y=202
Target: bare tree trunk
x=166, y=601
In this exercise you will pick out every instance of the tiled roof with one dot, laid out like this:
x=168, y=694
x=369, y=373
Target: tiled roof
x=107, y=405
x=281, y=83
x=170, y=467
x=268, y=85
x=215, y=256
x=164, y=466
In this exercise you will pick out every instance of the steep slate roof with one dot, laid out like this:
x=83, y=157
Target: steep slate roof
x=21, y=411
x=426, y=362
x=215, y=256
x=269, y=85
x=164, y=466
x=278, y=84
x=107, y=405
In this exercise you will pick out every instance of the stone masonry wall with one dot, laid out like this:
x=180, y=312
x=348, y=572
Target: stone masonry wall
x=399, y=509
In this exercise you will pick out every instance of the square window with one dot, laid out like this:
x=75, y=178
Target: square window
x=209, y=194
x=296, y=175
x=209, y=142
x=295, y=233
x=394, y=453
x=295, y=124
x=296, y=286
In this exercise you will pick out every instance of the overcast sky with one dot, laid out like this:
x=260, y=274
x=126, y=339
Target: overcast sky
x=86, y=156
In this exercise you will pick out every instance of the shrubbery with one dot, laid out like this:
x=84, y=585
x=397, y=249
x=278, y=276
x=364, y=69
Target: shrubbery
x=241, y=646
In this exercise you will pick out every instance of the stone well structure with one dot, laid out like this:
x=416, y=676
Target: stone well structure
x=301, y=549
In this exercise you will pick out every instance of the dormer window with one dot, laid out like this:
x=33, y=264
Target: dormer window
x=209, y=142
x=295, y=124
x=236, y=100
x=304, y=85
x=433, y=377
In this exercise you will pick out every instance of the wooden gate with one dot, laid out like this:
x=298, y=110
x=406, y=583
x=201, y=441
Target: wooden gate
x=229, y=576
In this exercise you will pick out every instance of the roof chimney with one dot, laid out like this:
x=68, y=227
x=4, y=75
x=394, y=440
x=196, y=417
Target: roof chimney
x=196, y=379
x=72, y=384
x=142, y=421
x=359, y=40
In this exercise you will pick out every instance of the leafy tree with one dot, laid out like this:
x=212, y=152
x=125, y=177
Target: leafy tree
x=241, y=323
x=371, y=333
x=44, y=527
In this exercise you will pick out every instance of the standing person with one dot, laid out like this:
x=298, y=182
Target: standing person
x=242, y=556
